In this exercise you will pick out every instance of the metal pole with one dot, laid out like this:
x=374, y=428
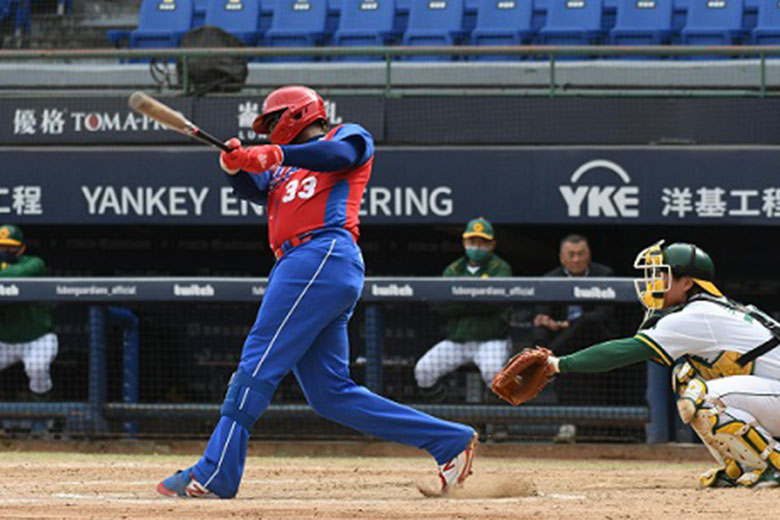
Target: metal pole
x=374, y=347
x=657, y=396
x=130, y=341
x=388, y=74
x=763, y=74
x=185, y=75
x=97, y=387
x=552, y=75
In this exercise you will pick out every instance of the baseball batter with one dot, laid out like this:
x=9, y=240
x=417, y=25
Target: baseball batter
x=726, y=364
x=26, y=330
x=311, y=180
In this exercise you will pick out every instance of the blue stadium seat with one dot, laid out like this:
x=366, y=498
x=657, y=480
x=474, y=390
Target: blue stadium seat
x=365, y=22
x=199, y=12
x=297, y=23
x=643, y=22
x=572, y=22
x=5, y=9
x=713, y=22
x=332, y=20
x=750, y=14
x=241, y=18
x=161, y=23
x=767, y=30
x=434, y=22
x=503, y=22
x=402, y=14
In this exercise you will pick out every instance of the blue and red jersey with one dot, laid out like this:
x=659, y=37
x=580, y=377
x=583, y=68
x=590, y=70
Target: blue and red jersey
x=301, y=200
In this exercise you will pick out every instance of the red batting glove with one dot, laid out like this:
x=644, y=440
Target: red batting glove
x=235, y=144
x=263, y=158
x=255, y=159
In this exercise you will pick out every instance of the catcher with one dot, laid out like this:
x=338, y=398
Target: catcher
x=726, y=367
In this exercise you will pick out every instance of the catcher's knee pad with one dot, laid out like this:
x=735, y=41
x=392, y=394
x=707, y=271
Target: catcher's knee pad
x=736, y=440
x=682, y=373
x=246, y=398
x=692, y=396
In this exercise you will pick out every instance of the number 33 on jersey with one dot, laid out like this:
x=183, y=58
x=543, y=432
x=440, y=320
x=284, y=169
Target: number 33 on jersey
x=301, y=200
x=307, y=187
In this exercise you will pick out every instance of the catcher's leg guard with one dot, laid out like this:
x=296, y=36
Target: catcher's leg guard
x=745, y=451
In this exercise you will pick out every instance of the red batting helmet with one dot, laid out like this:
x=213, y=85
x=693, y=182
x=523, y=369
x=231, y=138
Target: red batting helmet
x=298, y=107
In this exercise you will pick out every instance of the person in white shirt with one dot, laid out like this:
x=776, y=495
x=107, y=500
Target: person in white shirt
x=726, y=365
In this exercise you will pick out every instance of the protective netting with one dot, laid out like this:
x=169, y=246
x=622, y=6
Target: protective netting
x=168, y=376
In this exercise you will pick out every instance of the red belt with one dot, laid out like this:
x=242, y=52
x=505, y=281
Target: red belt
x=291, y=243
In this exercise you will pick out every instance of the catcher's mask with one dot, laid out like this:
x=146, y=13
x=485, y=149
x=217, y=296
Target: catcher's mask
x=659, y=264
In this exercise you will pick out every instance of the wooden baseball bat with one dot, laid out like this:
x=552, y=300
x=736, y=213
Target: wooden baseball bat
x=171, y=119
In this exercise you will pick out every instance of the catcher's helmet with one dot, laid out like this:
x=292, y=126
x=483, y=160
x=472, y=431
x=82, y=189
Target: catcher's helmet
x=11, y=235
x=296, y=108
x=678, y=259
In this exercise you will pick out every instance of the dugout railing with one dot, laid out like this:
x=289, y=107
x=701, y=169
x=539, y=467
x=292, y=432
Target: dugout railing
x=392, y=326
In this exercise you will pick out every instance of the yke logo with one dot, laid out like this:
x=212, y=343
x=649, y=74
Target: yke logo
x=601, y=201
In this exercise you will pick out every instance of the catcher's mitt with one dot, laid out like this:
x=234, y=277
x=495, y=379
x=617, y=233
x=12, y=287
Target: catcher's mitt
x=523, y=376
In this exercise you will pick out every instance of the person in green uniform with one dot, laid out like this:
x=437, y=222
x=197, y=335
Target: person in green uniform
x=26, y=331
x=475, y=332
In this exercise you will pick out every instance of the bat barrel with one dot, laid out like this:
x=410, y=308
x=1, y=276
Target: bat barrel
x=171, y=119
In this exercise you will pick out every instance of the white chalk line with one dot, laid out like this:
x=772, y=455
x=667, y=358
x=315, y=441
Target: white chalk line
x=560, y=496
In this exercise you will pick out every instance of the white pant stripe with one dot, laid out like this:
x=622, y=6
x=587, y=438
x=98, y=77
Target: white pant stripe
x=221, y=456
x=292, y=309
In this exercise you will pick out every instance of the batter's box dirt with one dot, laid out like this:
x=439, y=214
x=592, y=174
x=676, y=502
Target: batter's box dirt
x=56, y=485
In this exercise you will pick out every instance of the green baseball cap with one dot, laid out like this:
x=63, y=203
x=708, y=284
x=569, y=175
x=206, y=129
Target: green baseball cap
x=479, y=227
x=11, y=235
x=689, y=260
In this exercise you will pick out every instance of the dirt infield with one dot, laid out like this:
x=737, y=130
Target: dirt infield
x=509, y=482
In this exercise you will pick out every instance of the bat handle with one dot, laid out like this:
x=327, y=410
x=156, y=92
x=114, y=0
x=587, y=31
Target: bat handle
x=207, y=138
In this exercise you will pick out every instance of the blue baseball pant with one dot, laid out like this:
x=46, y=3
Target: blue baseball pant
x=302, y=326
